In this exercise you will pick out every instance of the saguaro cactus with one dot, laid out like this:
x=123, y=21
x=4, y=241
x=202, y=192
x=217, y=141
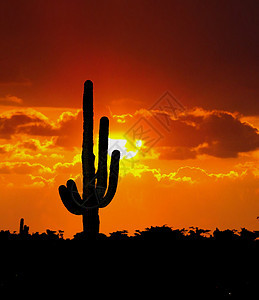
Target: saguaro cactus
x=94, y=183
x=24, y=229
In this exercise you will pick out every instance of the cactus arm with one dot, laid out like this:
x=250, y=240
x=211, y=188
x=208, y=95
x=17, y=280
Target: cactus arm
x=71, y=186
x=87, y=152
x=67, y=200
x=71, y=198
x=102, y=163
x=113, y=179
x=21, y=225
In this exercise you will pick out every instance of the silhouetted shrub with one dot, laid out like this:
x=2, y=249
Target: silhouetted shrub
x=119, y=235
x=160, y=233
x=225, y=235
x=81, y=236
x=153, y=233
x=196, y=233
x=248, y=235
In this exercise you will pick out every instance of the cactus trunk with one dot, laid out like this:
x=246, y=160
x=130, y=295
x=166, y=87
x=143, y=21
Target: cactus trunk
x=90, y=217
x=91, y=223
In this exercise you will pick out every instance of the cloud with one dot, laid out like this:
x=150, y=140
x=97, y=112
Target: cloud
x=122, y=118
x=197, y=174
x=33, y=123
x=215, y=133
x=187, y=174
x=68, y=168
x=39, y=182
x=23, y=168
x=226, y=136
x=69, y=130
x=13, y=122
x=3, y=150
x=32, y=144
x=176, y=153
x=10, y=101
x=30, y=149
x=196, y=132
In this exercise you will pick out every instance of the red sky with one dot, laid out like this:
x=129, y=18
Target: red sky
x=203, y=170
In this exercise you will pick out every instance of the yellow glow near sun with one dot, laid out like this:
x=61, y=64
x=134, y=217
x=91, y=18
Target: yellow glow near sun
x=129, y=158
x=126, y=149
x=138, y=143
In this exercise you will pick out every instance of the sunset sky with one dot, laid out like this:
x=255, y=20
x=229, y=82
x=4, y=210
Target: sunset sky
x=178, y=81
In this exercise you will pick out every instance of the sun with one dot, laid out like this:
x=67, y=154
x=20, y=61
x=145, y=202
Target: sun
x=128, y=150
x=138, y=143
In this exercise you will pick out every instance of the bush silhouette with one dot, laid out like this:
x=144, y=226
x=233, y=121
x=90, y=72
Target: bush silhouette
x=119, y=235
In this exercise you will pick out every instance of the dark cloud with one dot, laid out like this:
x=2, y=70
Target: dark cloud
x=216, y=133
x=226, y=136
x=176, y=153
x=66, y=130
x=31, y=145
x=20, y=122
x=10, y=101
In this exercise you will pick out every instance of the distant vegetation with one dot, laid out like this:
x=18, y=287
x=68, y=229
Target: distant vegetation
x=163, y=233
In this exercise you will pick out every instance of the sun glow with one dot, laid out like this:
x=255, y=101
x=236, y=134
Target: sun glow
x=126, y=149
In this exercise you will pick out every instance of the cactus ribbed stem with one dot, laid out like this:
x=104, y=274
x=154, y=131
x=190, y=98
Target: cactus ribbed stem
x=87, y=147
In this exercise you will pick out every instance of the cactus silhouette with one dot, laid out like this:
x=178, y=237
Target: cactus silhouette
x=24, y=229
x=94, y=183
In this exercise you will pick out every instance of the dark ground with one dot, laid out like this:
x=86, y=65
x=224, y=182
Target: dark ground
x=177, y=270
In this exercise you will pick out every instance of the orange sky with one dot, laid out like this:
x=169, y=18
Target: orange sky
x=195, y=166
